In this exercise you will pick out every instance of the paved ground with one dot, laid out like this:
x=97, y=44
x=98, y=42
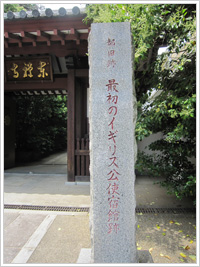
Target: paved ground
x=52, y=237
x=53, y=190
x=53, y=164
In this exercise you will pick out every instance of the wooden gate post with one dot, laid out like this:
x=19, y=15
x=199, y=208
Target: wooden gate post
x=71, y=126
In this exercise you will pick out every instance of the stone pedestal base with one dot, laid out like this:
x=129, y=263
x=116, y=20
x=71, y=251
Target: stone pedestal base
x=144, y=256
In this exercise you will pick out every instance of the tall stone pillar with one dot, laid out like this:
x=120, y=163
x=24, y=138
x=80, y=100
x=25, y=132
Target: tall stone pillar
x=112, y=117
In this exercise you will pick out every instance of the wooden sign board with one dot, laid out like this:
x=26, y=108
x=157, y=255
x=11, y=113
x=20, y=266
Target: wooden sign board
x=28, y=69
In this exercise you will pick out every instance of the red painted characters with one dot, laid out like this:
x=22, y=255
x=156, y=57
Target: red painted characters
x=113, y=166
x=113, y=174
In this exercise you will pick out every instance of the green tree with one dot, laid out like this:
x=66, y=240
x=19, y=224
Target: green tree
x=41, y=125
x=12, y=7
x=19, y=7
x=173, y=75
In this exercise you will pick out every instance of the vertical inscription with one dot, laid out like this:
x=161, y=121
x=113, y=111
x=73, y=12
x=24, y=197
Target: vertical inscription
x=112, y=90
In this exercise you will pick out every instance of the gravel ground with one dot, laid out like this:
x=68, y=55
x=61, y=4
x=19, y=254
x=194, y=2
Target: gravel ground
x=170, y=238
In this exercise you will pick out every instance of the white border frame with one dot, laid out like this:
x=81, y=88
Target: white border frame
x=2, y=112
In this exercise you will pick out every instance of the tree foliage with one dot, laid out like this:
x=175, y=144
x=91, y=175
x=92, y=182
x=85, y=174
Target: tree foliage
x=172, y=76
x=41, y=125
x=12, y=7
x=19, y=7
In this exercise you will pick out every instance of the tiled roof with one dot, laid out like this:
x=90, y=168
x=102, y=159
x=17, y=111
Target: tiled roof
x=61, y=12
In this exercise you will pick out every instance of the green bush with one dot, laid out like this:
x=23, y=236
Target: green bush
x=179, y=172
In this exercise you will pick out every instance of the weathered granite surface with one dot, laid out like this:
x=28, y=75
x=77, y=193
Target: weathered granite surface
x=112, y=114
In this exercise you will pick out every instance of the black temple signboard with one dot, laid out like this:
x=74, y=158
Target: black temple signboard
x=32, y=69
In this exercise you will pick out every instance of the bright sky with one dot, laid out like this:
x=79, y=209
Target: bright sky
x=162, y=50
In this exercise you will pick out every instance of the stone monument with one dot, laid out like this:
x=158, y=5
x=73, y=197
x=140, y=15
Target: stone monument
x=112, y=117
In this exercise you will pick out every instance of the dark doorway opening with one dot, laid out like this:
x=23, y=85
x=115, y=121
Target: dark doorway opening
x=36, y=140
